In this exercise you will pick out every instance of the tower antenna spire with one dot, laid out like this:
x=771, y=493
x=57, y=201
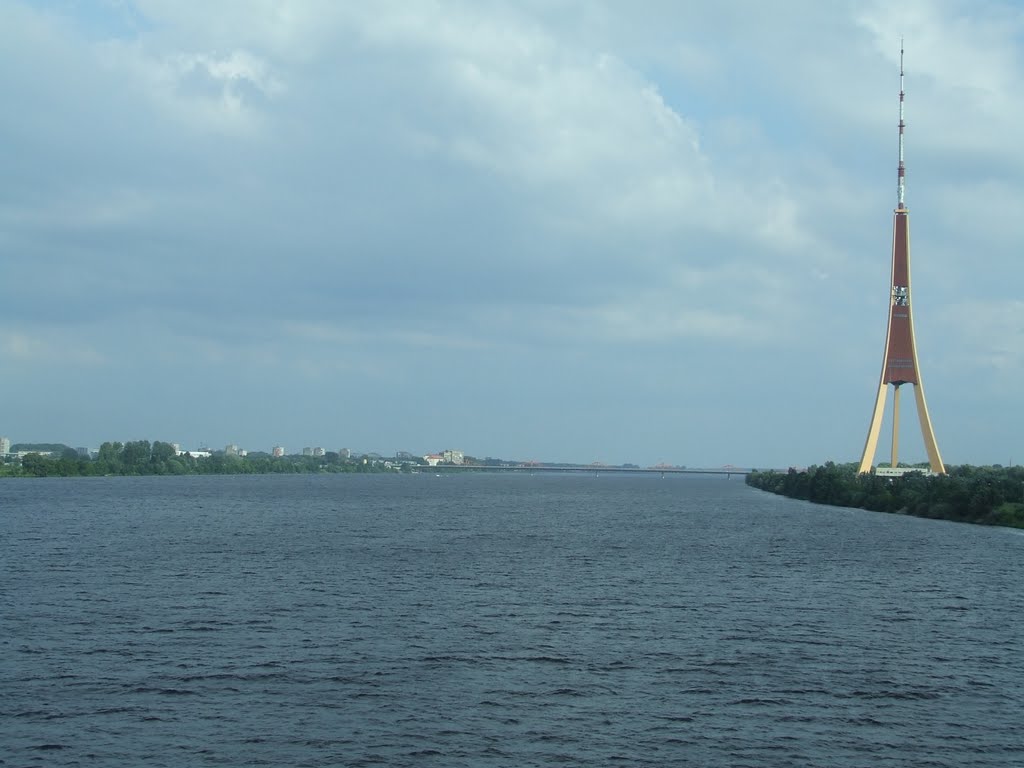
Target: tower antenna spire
x=901, y=171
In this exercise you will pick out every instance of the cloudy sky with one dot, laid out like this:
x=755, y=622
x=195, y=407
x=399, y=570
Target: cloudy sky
x=563, y=230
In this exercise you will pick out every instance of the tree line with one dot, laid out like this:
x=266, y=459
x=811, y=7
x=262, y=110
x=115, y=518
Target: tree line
x=141, y=457
x=985, y=495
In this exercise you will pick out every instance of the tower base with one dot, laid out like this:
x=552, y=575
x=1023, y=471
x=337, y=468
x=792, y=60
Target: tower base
x=874, y=431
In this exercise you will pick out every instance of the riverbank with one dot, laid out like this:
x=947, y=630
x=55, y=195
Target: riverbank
x=967, y=494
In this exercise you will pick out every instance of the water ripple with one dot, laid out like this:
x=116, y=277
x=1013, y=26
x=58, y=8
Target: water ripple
x=502, y=621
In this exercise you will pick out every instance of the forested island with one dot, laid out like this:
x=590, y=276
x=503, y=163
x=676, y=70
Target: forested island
x=141, y=457
x=983, y=495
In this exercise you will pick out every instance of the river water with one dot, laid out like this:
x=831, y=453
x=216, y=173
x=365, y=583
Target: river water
x=498, y=620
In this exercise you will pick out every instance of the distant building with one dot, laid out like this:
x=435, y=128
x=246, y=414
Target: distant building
x=452, y=457
x=881, y=471
x=200, y=454
x=277, y=452
x=231, y=450
x=5, y=446
x=307, y=451
x=433, y=459
x=345, y=453
x=318, y=451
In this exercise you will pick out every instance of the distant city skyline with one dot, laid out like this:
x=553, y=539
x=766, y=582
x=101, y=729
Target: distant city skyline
x=448, y=455
x=654, y=232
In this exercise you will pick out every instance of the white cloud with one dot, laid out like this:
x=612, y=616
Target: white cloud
x=964, y=67
x=203, y=91
x=989, y=336
x=39, y=348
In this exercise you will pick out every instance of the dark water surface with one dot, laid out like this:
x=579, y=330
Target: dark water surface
x=480, y=620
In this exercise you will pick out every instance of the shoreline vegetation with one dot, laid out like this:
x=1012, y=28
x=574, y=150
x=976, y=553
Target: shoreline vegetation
x=992, y=495
x=140, y=457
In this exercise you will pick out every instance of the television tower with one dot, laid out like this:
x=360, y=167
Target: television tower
x=899, y=363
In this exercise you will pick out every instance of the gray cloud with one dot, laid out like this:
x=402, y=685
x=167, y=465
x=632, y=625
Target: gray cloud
x=546, y=230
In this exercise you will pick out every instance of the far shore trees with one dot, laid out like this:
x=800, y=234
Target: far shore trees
x=140, y=457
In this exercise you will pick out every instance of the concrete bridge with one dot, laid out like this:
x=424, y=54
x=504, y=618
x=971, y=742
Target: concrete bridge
x=589, y=469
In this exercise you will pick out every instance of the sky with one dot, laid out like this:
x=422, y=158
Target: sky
x=551, y=230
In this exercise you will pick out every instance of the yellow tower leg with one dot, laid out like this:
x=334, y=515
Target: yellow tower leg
x=867, y=459
x=934, y=459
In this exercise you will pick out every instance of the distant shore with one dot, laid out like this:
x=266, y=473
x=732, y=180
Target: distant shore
x=140, y=457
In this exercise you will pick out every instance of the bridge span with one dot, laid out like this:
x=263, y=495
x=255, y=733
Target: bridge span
x=599, y=469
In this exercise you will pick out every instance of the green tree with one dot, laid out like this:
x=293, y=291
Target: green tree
x=37, y=465
x=136, y=456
